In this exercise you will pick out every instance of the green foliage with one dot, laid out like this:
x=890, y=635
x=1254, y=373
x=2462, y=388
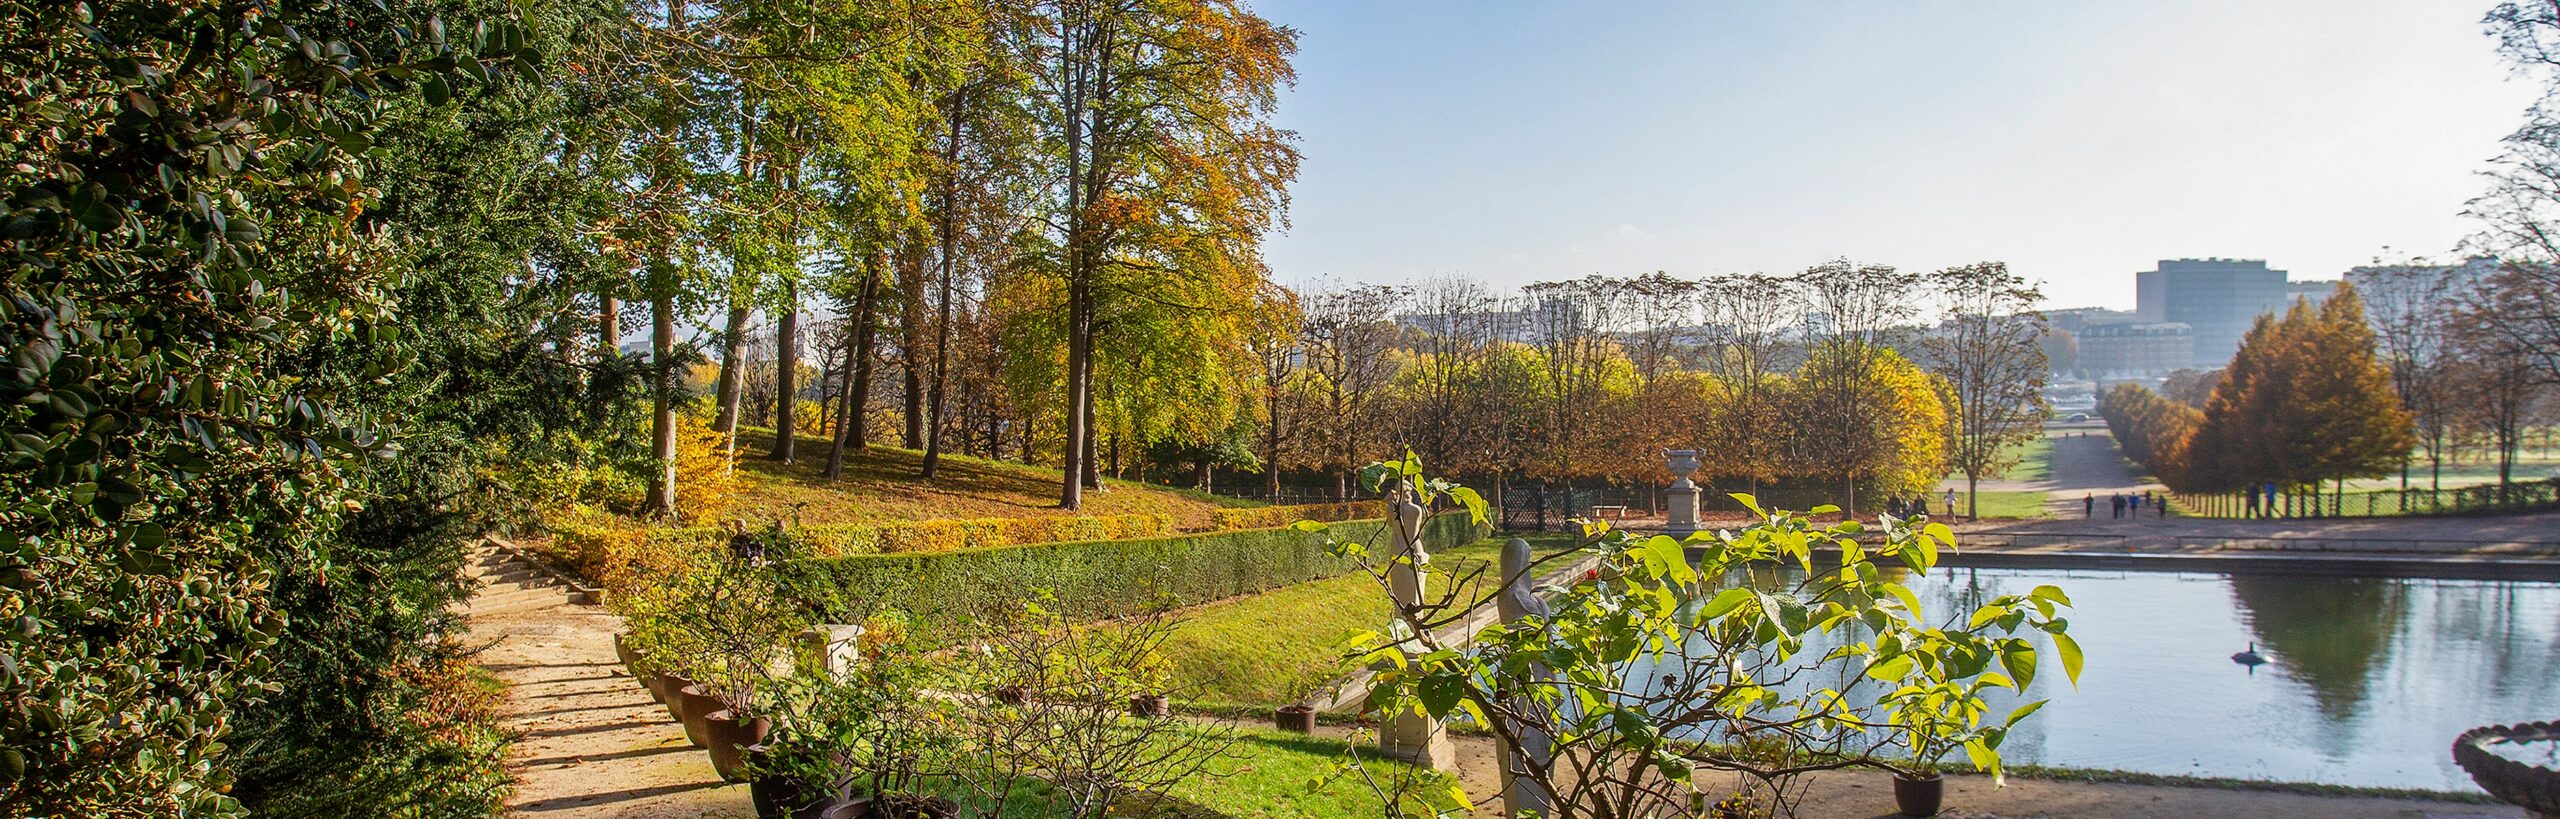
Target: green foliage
x=181, y=188
x=907, y=537
x=943, y=592
x=1703, y=653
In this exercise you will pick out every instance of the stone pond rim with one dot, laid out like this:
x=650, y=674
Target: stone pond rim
x=2533, y=787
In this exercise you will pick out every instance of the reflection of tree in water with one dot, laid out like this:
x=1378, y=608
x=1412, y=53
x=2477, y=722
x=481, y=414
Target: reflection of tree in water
x=2329, y=633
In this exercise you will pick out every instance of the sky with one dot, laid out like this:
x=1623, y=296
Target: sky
x=2079, y=142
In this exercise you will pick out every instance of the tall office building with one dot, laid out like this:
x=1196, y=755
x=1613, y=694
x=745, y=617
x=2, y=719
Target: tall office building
x=2218, y=298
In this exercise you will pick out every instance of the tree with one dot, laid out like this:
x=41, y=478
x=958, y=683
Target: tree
x=1745, y=319
x=1169, y=172
x=1347, y=335
x=2304, y=401
x=1852, y=311
x=2411, y=307
x=1988, y=351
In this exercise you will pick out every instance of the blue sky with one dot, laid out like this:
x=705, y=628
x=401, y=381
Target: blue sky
x=2078, y=141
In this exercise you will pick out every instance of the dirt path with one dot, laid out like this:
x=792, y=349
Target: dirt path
x=591, y=743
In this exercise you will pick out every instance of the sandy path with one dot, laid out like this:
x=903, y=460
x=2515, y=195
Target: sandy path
x=592, y=744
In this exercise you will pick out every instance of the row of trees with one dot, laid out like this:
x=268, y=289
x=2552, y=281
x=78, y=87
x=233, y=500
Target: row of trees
x=1843, y=375
x=2305, y=401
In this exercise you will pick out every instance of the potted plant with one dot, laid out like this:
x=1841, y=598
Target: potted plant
x=727, y=738
x=1152, y=706
x=1297, y=717
x=1919, y=791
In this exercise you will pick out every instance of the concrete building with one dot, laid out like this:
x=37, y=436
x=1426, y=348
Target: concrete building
x=2123, y=350
x=2315, y=291
x=2217, y=298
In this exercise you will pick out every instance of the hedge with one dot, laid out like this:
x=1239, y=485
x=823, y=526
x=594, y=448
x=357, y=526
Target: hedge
x=942, y=592
x=838, y=540
x=1265, y=517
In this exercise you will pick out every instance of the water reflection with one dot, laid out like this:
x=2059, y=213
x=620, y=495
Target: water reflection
x=2369, y=680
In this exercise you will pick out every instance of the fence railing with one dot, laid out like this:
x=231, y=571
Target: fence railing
x=2375, y=503
x=2367, y=544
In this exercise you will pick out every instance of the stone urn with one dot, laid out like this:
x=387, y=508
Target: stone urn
x=2533, y=787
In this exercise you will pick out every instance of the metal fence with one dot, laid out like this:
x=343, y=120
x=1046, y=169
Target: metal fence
x=2376, y=503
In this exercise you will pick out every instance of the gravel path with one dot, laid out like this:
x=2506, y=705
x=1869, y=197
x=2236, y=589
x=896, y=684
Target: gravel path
x=591, y=743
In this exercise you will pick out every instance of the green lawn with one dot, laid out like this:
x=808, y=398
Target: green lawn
x=1272, y=776
x=2005, y=504
x=880, y=485
x=1276, y=647
x=2035, y=462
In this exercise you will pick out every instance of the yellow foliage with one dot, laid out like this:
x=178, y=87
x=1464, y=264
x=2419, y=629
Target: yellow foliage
x=1273, y=517
x=707, y=482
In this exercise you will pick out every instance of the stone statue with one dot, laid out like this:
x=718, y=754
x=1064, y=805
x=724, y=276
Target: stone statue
x=1411, y=737
x=1522, y=796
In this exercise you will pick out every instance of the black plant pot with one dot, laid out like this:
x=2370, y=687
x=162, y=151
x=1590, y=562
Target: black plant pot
x=1919, y=797
x=1297, y=718
x=777, y=796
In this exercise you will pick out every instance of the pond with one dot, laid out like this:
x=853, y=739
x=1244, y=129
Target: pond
x=2367, y=680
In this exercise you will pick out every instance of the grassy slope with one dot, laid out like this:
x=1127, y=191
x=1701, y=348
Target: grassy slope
x=1273, y=648
x=880, y=484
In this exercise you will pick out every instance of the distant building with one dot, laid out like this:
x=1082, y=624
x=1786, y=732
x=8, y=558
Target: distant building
x=2073, y=320
x=2218, y=299
x=2419, y=286
x=2119, y=350
x=2316, y=291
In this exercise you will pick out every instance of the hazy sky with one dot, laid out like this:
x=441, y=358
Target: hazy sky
x=2078, y=141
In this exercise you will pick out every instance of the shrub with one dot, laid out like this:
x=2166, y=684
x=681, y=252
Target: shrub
x=908, y=537
x=706, y=470
x=941, y=592
x=1265, y=517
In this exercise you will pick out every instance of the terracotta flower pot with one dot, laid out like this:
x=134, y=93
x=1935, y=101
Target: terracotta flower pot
x=622, y=651
x=1155, y=706
x=666, y=686
x=1299, y=718
x=1012, y=694
x=699, y=705
x=1919, y=796
x=728, y=739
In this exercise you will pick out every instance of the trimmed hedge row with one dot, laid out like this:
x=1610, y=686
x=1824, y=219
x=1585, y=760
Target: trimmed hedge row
x=1266, y=517
x=941, y=593
x=903, y=537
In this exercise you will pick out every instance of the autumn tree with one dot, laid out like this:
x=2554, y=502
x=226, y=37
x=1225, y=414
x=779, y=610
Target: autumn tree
x=2304, y=401
x=1745, y=319
x=1852, y=313
x=1346, y=336
x=1155, y=117
x=1988, y=351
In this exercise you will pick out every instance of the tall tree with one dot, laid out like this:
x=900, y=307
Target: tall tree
x=1853, y=311
x=1169, y=171
x=1989, y=350
x=2304, y=401
x=1347, y=336
x=1745, y=319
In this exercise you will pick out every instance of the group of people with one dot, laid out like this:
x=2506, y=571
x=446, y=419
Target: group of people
x=1917, y=505
x=2125, y=504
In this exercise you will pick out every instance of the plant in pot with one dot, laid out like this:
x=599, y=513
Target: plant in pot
x=1296, y=716
x=1073, y=733
x=744, y=620
x=869, y=741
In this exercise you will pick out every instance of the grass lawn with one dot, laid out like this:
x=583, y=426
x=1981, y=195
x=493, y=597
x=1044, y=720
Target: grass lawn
x=2035, y=463
x=1271, y=775
x=880, y=485
x=1276, y=647
x=2006, y=504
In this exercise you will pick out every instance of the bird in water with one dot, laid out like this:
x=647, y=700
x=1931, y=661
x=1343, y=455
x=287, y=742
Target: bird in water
x=2250, y=657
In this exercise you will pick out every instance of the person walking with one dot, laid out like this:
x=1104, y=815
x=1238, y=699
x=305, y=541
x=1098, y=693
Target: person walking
x=2088, y=505
x=2250, y=512
x=2115, y=506
x=1951, y=501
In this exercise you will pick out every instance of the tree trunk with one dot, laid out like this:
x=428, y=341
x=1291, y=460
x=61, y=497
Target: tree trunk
x=661, y=500
x=912, y=317
x=857, y=425
x=844, y=407
x=786, y=377
x=1972, y=497
x=608, y=327
x=948, y=233
x=726, y=396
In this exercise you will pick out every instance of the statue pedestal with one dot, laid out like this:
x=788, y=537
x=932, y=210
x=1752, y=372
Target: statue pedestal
x=1418, y=740
x=1682, y=516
